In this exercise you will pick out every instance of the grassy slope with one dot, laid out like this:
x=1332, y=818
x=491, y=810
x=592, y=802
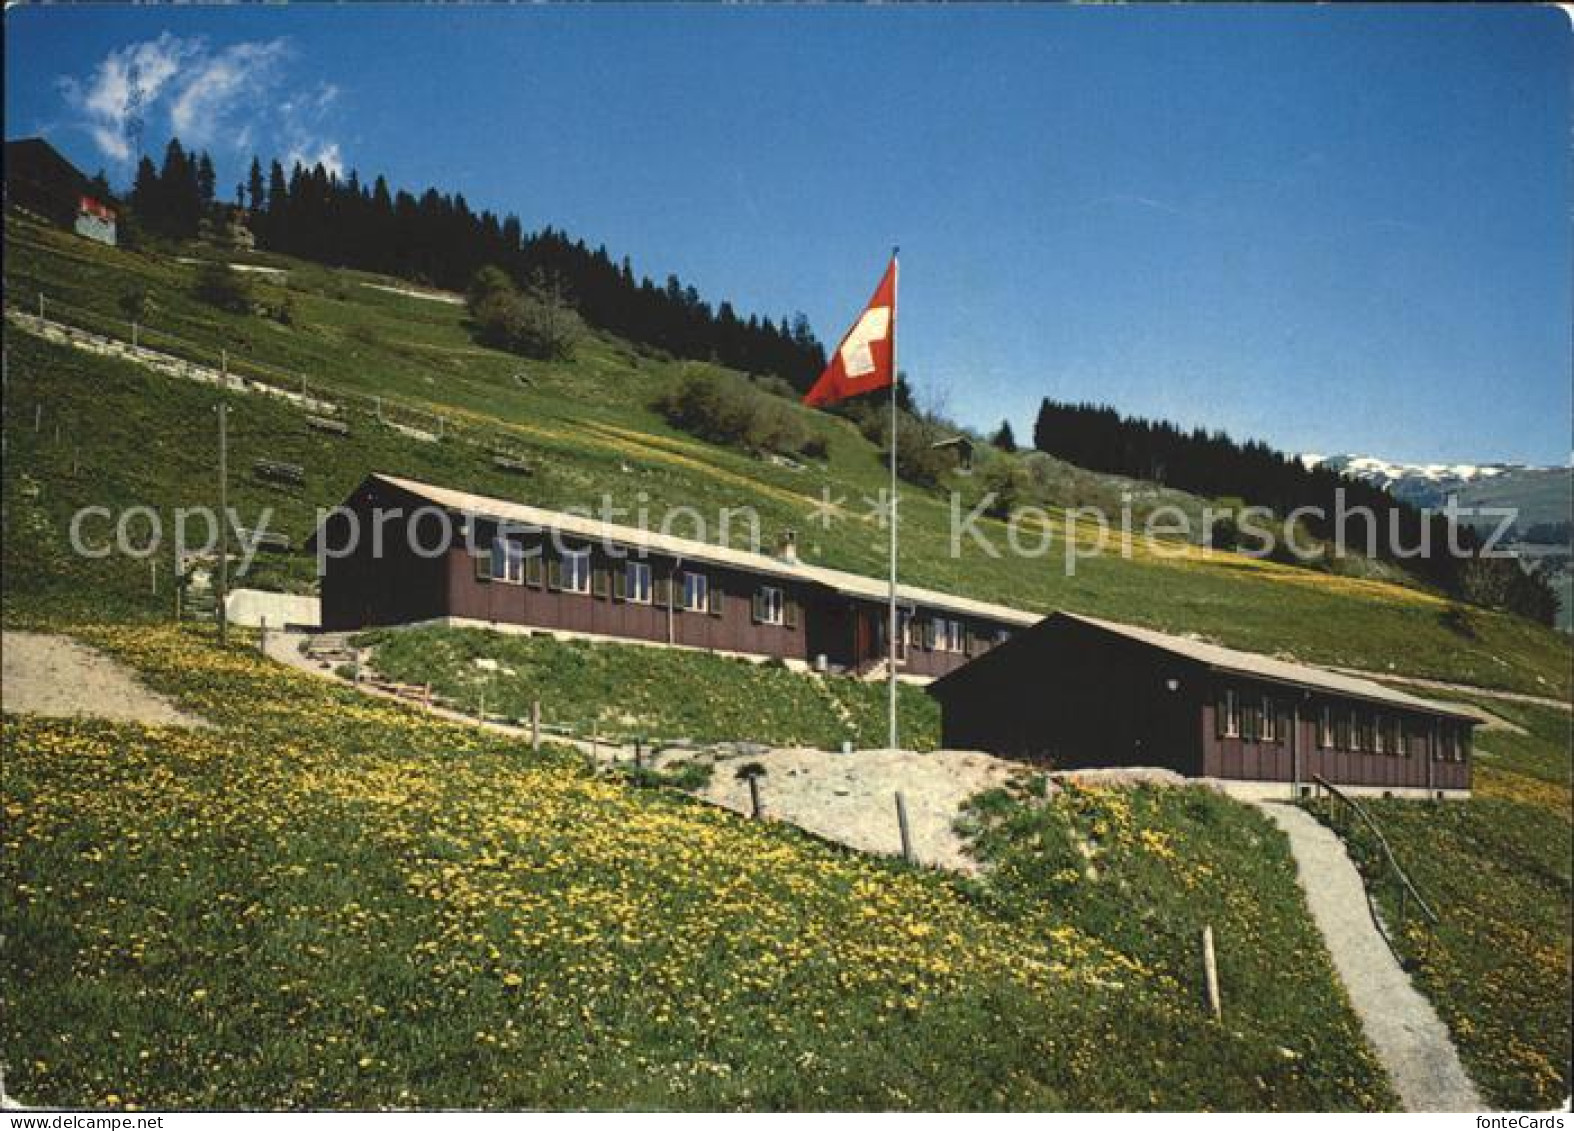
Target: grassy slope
x=626, y=691
x=1145, y=869
x=1496, y=869
x=587, y=428
x=329, y=901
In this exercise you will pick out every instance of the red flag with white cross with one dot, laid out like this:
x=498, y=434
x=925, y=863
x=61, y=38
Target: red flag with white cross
x=865, y=360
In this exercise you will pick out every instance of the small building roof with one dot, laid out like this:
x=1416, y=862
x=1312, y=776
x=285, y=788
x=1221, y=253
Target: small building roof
x=1258, y=666
x=594, y=529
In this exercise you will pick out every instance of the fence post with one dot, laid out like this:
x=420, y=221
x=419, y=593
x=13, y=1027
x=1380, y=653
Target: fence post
x=639, y=752
x=535, y=724
x=262, y=637
x=901, y=824
x=756, y=805
x=153, y=575
x=1210, y=971
x=41, y=306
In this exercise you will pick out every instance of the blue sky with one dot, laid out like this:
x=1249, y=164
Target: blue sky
x=1333, y=229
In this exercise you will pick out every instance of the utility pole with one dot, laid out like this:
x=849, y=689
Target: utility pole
x=224, y=534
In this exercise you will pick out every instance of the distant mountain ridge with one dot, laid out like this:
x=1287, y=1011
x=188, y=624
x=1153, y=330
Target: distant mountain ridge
x=1541, y=494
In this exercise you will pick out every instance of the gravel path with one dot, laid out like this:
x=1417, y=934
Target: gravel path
x=45, y=674
x=1412, y=1042
x=851, y=798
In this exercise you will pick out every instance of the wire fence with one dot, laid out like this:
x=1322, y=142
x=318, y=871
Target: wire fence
x=177, y=356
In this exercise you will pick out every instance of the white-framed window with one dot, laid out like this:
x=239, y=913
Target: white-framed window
x=696, y=592
x=950, y=636
x=1380, y=736
x=1325, y=729
x=1269, y=731
x=1232, y=714
x=772, y=605
x=636, y=582
x=508, y=561
x=576, y=571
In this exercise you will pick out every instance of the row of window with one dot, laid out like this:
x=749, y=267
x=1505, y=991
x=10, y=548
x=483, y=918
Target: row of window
x=1261, y=718
x=570, y=572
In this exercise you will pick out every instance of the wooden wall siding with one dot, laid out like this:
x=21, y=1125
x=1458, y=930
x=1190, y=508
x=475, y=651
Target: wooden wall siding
x=1077, y=697
x=1234, y=757
x=362, y=590
x=600, y=613
x=1070, y=702
x=401, y=586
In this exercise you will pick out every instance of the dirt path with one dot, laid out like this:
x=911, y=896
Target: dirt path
x=1411, y=1041
x=46, y=674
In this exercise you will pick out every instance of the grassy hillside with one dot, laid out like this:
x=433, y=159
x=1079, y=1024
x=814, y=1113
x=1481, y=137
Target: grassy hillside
x=1144, y=870
x=1497, y=872
x=1496, y=869
x=627, y=691
x=587, y=428
x=326, y=901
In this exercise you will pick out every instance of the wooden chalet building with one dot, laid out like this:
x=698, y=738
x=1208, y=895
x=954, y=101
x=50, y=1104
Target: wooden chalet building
x=1078, y=692
x=39, y=180
x=548, y=570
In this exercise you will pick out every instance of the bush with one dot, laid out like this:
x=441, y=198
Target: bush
x=730, y=410
x=223, y=287
x=530, y=323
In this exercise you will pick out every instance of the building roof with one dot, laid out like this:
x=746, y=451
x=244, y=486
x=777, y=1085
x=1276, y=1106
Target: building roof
x=1258, y=666
x=594, y=529
x=34, y=159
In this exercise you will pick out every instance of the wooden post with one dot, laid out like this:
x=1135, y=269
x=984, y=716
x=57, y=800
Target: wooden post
x=901, y=824
x=1210, y=970
x=262, y=637
x=535, y=724
x=756, y=805
x=639, y=753
x=480, y=705
x=133, y=335
x=153, y=574
x=38, y=418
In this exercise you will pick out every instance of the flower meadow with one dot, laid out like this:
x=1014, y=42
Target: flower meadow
x=321, y=900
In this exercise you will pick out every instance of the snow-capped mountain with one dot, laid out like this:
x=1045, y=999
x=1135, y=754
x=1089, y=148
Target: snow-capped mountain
x=1543, y=490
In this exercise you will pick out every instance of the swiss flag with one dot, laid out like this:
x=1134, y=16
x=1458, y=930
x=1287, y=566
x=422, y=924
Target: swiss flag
x=863, y=362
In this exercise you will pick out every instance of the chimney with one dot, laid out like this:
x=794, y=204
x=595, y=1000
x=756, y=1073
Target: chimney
x=787, y=546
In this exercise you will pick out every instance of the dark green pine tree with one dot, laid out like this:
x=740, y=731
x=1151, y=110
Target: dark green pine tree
x=1005, y=439
x=256, y=187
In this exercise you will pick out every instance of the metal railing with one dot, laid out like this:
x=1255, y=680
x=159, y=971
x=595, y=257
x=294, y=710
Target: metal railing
x=1348, y=816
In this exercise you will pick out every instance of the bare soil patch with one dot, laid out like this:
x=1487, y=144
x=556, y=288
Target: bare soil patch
x=46, y=674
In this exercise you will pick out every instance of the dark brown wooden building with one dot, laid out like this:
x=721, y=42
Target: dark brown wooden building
x=1077, y=692
x=463, y=559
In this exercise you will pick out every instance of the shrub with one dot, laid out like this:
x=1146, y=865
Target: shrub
x=529, y=323
x=135, y=303
x=729, y=410
x=223, y=287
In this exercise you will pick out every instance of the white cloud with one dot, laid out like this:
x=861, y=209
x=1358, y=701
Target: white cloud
x=325, y=154
x=217, y=87
x=211, y=97
x=115, y=98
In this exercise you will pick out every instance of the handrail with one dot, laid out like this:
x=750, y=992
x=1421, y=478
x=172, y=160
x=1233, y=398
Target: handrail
x=1388, y=853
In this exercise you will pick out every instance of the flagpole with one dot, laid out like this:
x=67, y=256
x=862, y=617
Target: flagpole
x=894, y=621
